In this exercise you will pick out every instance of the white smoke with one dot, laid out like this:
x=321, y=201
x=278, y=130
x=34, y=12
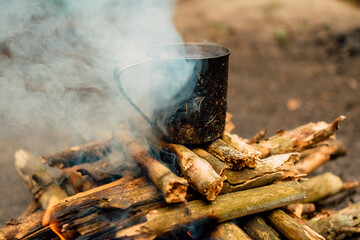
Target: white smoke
x=56, y=67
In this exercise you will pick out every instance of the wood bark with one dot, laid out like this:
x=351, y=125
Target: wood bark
x=224, y=208
x=325, y=185
x=196, y=170
x=257, y=229
x=298, y=139
x=173, y=187
x=292, y=228
x=90, y=152
x=236, y=142
x=232, y=157
x=301, y=208
x=228, y=231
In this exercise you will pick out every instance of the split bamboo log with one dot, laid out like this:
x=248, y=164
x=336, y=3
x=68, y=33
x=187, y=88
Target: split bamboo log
x=228, y=231
x=38, y=178
x=257, y=229
x=79, y=154
x=325, y=185
x=224, y=208
x=292, y=228
x=298, y=139
x=338, y=225
x=232, y=157
x=200, y=174
x=172, y=187
x=320, y=155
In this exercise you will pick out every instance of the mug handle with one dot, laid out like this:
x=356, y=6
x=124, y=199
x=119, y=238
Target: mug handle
x=117, y=76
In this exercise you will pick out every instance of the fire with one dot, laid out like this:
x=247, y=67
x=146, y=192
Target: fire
x=47, y=217
x=189, y=233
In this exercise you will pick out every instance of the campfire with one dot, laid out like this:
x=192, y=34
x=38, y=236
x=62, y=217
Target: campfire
x=230, y=188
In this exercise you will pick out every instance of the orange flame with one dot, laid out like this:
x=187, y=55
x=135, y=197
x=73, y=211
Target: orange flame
x=47, y=215
x=189, y=233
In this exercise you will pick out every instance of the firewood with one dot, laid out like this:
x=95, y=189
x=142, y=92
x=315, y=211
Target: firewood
x=301, y=208
x=325, y=185
x=320, y=155
x=266, y=171
x=236, y=142
x=257, y=137
x=337, y=225
x=232, y=157
x=292, y=228
x=215, y=163
x=299, y=138
x=39, y=180
x=229, y=125
x=79, y=154
x=257, y=229
x=228, y=231
x=201, y=176
x=173, y=187
x=224, y=208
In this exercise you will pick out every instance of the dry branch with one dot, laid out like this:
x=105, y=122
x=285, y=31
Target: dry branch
x=325, y=185
x=228, y=231
x=224, y=208
x=266, y=171
x=292, y=228
x=257, y=229
x=39, y=179
x=320, y=155
x=338, y=225
x=79, y=154
x=232, y=157
x=173, y=187
x=301, y=208
x=239, y=144
x=196, y=170
x=299, y=139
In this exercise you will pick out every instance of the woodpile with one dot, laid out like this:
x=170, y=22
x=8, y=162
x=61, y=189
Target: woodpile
x=232, y=188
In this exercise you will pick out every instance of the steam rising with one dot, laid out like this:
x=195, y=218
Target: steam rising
x=57, y=60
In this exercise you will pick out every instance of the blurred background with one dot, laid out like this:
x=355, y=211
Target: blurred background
x=292, y=62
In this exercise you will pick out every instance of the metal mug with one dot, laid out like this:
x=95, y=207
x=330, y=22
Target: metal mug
x=197, y=113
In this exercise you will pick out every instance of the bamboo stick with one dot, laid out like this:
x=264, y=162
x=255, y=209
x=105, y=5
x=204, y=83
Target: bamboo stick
x=292, y=228
x=172, y=187
x=228, y=231
x=298, y=139
x=224, y=208
x=257, y=229
x=324, y=185
x=90, y=152
x=196, y=170
x=338, y=225
x=232, y=157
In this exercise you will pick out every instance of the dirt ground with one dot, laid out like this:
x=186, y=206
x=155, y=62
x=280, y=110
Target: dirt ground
x=292, y=62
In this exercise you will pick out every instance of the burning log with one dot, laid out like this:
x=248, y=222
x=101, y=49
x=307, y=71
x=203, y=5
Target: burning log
x=257, y=229
x=267, y=171
x=325, y=185
x=316, y=157
x=338, y=225
x=232, y=157
x=38, y=178
x=224, y=208
x=79, y=154
x=292, y=228
x=197, y=171
x=173, y=187
x=228, y=231
x=298, y=139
